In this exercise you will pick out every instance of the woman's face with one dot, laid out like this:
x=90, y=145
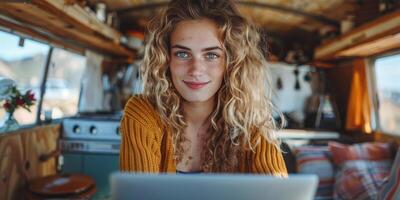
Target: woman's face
x=197, y=59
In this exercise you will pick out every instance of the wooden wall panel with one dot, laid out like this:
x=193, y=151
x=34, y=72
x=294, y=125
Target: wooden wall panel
x=19, y=158
x=338, y=80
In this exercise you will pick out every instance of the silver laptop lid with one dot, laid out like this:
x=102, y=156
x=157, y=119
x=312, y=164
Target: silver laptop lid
x=212, y=187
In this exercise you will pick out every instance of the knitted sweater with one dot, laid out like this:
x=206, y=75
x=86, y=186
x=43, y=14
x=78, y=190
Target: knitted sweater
x=147, y=147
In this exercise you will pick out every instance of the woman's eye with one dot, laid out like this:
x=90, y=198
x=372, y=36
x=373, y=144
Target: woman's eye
x=181, y=54
x=212, y=56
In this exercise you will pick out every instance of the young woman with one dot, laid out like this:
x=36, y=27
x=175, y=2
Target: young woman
x=205, y=107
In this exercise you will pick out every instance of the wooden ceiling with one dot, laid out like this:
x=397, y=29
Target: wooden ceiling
x=289, y=24
x=295, y=28
x=65, y=25
x=279, y=16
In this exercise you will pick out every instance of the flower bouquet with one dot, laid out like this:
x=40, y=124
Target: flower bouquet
x=14, y=99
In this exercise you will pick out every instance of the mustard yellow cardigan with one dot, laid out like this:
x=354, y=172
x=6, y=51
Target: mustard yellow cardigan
x=147, y=147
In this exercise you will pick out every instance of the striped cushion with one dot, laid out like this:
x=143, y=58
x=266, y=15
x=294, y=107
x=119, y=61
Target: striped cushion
x=360, y=179
x=364, y=151
x=316, y=160
x=391, y=190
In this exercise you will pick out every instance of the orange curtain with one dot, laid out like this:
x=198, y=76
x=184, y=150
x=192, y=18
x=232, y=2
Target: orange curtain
x=359, y=107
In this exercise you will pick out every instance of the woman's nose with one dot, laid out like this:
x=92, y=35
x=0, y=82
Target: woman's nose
x=197, y=67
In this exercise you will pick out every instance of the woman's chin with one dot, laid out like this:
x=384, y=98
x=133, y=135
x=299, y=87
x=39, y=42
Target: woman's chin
x=196, y=98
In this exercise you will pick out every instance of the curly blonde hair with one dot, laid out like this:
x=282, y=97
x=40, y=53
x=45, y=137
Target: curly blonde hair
x=243, y=113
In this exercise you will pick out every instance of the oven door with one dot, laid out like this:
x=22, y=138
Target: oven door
x=97, y=159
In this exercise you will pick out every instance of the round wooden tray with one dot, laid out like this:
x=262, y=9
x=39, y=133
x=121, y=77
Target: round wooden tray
x=58, y=185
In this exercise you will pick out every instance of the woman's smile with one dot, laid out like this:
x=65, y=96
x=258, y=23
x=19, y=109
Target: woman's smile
x=196, y=85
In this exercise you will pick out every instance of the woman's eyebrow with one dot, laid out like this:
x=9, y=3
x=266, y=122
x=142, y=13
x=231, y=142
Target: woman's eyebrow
x=205, y=49
x=212, y=48
x=180, y=47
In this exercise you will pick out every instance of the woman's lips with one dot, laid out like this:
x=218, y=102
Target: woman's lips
x=196, y=85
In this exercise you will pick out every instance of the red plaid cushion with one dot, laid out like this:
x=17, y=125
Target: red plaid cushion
x=316, y=160
x=391, y=189
x=364, y=151
x=360, y=179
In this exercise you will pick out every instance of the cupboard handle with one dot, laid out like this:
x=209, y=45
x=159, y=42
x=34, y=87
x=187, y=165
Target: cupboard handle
x=45, y=157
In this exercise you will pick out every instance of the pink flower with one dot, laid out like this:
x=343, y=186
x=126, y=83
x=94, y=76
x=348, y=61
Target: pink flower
x=19, y=101
x=6, y=105
x=31, y=96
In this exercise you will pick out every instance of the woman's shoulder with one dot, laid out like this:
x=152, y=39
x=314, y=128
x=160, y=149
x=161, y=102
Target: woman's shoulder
x=139, y=109
x=138, y=101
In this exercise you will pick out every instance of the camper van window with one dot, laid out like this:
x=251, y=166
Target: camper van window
x=63, y=85
x=387, y=73
x=22, y=60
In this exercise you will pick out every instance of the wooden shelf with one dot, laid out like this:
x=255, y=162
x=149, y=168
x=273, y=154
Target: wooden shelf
x=378, y=36
x=69, y=25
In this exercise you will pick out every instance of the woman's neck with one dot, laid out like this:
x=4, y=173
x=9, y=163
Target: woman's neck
x=197, y=117
x=197, y=113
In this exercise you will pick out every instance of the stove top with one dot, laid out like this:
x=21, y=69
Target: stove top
x=92, y=127
x=94, y=133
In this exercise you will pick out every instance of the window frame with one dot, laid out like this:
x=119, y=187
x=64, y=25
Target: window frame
x=44, y=73
x=373, y=89
x=50, y=61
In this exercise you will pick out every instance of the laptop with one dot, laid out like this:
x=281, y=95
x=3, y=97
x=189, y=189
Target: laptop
x=211, y=187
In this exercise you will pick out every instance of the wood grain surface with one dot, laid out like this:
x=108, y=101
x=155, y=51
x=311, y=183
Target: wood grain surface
x=19, y=158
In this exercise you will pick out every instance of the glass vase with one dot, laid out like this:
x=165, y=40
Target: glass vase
x=11, y=124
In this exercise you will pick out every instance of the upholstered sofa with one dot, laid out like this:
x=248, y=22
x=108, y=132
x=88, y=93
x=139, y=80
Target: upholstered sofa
x=350, y=172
